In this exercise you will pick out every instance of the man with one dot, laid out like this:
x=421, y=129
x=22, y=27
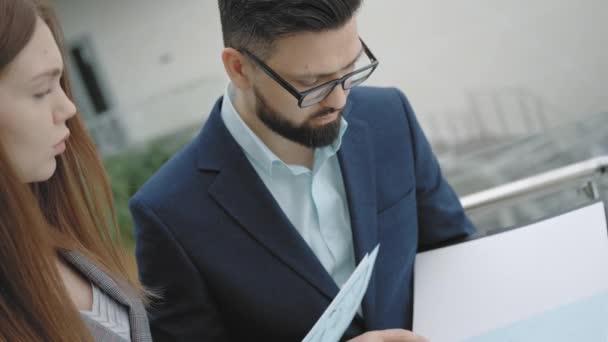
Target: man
x=251, y=230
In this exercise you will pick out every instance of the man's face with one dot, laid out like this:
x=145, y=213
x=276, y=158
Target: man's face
x=307, y=60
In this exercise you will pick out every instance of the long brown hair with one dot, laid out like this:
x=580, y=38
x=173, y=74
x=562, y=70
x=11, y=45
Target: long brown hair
x=73, y=210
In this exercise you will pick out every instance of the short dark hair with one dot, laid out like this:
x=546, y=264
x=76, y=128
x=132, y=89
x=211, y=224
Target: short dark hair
x=255, y=25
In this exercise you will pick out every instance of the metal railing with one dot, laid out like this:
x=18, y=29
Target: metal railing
x=491, y=116
x=583, y=173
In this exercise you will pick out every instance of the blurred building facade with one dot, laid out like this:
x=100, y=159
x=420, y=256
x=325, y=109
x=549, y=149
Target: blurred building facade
x=476, y=72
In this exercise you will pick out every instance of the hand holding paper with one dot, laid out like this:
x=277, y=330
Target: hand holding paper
x=390, y=335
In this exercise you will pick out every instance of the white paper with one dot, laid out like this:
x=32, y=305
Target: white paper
x=339, y=314
x=544, y=282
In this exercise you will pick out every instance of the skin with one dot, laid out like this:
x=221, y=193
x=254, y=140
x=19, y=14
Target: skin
x=33, y=114
x=34, y=108
x=390, y=335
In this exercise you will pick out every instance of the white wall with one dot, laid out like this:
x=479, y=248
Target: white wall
x=439, y=52
x=161, y=59
x=131, y=36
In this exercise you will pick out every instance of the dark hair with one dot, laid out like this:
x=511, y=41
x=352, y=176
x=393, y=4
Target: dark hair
x=13, y=15
x=255, y=25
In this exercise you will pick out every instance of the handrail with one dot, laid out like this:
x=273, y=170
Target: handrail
x=540, y=182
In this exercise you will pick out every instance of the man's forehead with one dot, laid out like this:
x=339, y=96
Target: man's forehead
x=315, y=53
x=310, y=56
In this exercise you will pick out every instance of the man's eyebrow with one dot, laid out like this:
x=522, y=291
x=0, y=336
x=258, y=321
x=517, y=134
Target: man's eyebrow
x=309, y=75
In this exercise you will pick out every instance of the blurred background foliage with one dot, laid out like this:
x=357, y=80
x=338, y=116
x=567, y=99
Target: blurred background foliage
x=129, y=170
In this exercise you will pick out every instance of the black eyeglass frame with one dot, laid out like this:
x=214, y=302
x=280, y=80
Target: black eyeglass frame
x=300, y=96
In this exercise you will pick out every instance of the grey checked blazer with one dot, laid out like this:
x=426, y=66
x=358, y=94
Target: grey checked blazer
x=140, y=330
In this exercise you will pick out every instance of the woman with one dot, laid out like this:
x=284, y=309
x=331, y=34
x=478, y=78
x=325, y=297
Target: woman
x=62, y=275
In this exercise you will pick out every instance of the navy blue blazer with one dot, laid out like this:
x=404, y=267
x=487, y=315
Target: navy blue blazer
x=231, y=266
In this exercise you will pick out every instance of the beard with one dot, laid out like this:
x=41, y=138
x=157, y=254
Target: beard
x=305, y=134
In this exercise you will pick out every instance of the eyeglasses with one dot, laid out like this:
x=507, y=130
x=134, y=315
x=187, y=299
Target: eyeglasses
x=317, y=94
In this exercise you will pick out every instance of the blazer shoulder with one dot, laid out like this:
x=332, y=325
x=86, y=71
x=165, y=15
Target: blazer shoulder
x=384, y=110
x=378, y=96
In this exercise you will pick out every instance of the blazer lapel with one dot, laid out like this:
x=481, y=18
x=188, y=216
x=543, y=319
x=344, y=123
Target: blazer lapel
x=238, y=189
x=357, y=164
x=137, y=313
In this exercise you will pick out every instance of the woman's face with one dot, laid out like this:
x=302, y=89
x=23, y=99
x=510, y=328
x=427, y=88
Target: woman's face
x=34, y=108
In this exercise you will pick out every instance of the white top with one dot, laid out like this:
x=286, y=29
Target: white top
x=109, y=313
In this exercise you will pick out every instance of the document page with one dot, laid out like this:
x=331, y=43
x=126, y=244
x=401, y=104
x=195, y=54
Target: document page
x=547, y=281
x=339, y=314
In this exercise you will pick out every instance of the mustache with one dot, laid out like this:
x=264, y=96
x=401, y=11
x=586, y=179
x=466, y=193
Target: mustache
x=325, y=111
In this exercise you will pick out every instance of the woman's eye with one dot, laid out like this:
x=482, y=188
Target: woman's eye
x=40, y=96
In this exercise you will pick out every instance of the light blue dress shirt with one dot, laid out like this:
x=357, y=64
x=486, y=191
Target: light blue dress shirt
x=313, y=200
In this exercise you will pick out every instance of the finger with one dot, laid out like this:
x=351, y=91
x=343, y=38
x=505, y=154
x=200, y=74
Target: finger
x=400, y=335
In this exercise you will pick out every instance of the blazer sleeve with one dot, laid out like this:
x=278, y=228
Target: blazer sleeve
x=185, y=310
x=440, y=215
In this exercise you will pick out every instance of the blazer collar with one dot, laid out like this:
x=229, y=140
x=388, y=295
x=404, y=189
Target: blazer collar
x=239, y=190
x=121, y=293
